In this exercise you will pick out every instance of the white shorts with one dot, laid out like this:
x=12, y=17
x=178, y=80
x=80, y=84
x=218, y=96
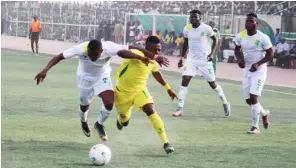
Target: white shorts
x=253, y=82
x=89, y=88
x=206, y=69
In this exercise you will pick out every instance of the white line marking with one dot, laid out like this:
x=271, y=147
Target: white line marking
x=268, y=90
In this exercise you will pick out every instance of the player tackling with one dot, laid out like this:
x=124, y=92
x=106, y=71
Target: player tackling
x=253, y=49
x=131, y=89
x=93, y=74
x=197, y=39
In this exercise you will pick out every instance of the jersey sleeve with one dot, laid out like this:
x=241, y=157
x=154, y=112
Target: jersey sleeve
x=185, y=32
x=77, y=50
x=266, y=43
x=237, y=40
x=210, y=32
x=112, y=48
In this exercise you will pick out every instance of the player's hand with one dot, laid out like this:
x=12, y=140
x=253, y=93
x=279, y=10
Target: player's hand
x=210, y=57
x=40, y=76
x=146, y=60
x=180, y=63
x=254, y=67
x=241, y=64
x=172, y=94
x=161, y=60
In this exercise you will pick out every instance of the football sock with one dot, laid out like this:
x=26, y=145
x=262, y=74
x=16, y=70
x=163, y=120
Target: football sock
x=263, y=111
x=255, y=112
x=182, y=95
x=83, y=115
x=104, y=114
x=159, y=127
x=220, y=94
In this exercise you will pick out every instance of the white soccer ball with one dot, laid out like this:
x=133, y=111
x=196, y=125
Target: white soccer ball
x=100, y=154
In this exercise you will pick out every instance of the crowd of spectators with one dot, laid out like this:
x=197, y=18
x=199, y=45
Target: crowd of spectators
x=104, y=15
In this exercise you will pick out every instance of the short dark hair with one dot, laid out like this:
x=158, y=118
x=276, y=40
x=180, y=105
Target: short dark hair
x=252, y=15
x=194, y=11
x=94, y=44
x=153, y=39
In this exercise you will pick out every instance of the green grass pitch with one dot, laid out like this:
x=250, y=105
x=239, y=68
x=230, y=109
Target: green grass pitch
x=40, y=125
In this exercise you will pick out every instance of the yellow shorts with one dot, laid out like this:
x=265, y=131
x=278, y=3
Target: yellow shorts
x=125, y=101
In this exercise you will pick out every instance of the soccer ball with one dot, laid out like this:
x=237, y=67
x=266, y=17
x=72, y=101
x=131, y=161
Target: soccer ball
x=100, y=154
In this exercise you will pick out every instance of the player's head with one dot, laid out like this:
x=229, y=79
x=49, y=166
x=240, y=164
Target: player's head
x=195, y=17
x=212, y=24
x=153, y=44
x=35, y=17
x=94, y=49
x=251, y=21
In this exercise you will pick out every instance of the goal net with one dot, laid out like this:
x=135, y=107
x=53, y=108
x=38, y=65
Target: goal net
x=141, y=25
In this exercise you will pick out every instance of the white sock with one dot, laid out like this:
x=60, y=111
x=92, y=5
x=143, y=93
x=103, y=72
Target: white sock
x=255, y=111
x=83, y=115
x=220, y=94
x=182, y=95
x=262, y=111
x=104, y=114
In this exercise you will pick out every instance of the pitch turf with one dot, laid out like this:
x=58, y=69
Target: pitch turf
x=40, y=127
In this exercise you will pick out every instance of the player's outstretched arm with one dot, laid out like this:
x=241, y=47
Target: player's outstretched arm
x=130, y=55
x=160, y=79
x=41, y=75
x=159, y=59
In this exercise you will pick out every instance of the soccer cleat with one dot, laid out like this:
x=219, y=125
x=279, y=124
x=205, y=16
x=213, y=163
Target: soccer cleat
x=168, y=148
x=254, y=130
x=101, y=130
x=178, y=113
x=265, y=119
x=119, y=126
x=227, y=110
x=85, y=129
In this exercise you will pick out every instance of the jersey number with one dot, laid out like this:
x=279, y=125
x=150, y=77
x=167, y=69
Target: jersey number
x=105, y=80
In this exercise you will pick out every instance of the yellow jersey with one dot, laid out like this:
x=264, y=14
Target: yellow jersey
x=132, y=75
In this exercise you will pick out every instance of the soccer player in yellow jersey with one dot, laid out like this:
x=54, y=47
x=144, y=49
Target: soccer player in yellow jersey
x=131, y=88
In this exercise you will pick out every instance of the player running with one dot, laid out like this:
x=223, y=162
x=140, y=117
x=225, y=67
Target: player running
x=131, y=89
x=197, y=38
x=94, y=77
x=252, y=50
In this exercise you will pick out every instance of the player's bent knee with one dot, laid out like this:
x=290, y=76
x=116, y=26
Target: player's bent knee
x=109, y=106
x=248, y=101
x=148, y=109
x=253, y=99
x=84, y=108
x=213, y=84
x=186, y=80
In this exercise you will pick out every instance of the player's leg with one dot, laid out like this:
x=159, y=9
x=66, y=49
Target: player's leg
x=257, y=81
x=32, y=43
x=85, y=100
x=37, y=45
x=124, y=104
x=104, y=89
x=209, y=75
x=189, y=72
x=144, y=102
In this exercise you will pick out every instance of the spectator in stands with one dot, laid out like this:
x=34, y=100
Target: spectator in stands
x=132, y=30
x=281, y=51
x=179, y=43
x=169, y=43
x=118, y=31
x=277, y=36
x=159, y=35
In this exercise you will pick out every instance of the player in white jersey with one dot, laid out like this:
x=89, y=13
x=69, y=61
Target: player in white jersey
x=197, y=41
x=94, y=76
x=253, y=49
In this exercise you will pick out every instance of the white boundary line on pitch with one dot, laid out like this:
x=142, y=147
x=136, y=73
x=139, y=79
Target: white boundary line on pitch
x=269, y=90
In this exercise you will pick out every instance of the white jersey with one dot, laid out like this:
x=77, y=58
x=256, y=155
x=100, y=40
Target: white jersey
x=199, y=41
x=253, y=47
x=93, y=70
